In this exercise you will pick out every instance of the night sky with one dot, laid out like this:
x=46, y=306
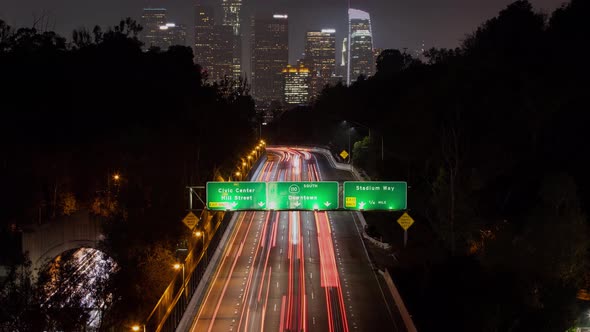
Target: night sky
x=396, y=24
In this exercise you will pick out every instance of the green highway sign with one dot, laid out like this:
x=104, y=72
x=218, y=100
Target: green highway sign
x=375, y=195
x=223, y=196
x=303, y=195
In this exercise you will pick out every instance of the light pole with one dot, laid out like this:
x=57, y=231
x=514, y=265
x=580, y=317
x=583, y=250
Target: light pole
x=349, y=150
x=369, y=129
x=138, y=328
x=177, y=266
x=200, y=234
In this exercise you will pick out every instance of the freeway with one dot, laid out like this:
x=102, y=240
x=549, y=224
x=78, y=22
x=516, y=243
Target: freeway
x=294, y=270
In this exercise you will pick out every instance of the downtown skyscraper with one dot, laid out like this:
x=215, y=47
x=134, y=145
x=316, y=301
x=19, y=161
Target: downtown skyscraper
x=320, y=58
x=204, y=30
x=359, y=46
x=157, y=32
x=151, y=21
x=296, y=85
x=232, y=18
x=217, y=47
x=270, y=55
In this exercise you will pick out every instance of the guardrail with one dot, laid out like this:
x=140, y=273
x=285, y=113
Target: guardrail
x=169, y=309
x=171, y=306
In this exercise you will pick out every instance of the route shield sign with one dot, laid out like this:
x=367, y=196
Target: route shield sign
x=303, y=195
x=223, y=196
x=375, y=195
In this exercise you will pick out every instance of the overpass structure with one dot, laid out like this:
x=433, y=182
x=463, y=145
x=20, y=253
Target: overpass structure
x=48, y=240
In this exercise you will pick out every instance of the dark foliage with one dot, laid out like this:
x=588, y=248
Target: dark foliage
x=492, y=138
x=73, y=114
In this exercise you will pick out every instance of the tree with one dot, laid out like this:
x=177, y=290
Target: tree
x=81, y=38
x=68, y=203
x=19, y=301
x=391, y=62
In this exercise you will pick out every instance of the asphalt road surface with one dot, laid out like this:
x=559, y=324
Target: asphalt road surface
x=295, y=270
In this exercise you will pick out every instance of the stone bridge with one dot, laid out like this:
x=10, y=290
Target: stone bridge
x=46, y=241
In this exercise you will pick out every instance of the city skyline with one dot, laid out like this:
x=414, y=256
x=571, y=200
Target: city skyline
x=435, y=23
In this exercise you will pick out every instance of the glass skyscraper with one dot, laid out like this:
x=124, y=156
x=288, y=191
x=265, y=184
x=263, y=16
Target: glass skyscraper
x=360, y=59
x=231, y=17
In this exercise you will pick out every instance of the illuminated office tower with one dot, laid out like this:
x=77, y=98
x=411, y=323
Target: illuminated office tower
x=223, y=53
x=151, y=21
x=172, y=34
x=204, y=30
x=320, y=58
x=296, y=84
x=231, y=18
x=270, y=55
x=360, y=58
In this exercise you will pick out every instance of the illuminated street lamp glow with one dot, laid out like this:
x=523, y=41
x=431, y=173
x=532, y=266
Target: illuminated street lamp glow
x=135, y=328
x=238, y=173
x=177, y=266
x=198, y=233
x=116, y=177
x=244, y=164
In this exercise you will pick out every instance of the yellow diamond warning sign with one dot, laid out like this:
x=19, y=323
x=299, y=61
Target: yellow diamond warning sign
x=344, y=154
x=405, y=221
x=190, y=220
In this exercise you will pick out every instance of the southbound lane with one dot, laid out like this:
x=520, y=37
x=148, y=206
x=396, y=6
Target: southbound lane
x=292, y=270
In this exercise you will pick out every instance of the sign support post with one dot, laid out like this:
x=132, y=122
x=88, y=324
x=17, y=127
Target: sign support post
x=405, y=237
x=405, y=221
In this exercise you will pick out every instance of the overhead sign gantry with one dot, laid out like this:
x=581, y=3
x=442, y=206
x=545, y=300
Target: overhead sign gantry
x=306, y=195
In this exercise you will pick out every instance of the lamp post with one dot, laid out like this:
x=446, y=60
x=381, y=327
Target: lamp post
x=369, y=129
x=201, y=234
x=178, y=266
x=138, y=328
x=349, y=150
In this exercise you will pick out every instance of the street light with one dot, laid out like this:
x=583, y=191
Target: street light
x=138, y=328
x=369, y=129
x=200, y=234
x=177, y=266
x=349, y=150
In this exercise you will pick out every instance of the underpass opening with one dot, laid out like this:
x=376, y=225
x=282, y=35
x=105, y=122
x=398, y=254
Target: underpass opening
x=75, y=288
